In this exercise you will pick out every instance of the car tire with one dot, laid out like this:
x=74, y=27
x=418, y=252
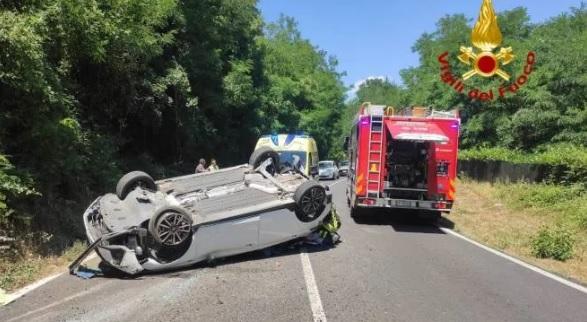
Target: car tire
x=261, y=154
x=171, y=226
x=134, y=179
x=310, y=198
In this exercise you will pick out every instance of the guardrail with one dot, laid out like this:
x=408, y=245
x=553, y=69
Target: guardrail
x=504, y=171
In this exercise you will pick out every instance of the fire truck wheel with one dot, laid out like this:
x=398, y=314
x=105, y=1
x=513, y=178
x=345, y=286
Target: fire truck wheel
x=134, y=179
x=310, y=199
x=261, y=154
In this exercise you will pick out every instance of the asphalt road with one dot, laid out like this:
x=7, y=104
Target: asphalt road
x=388, y=268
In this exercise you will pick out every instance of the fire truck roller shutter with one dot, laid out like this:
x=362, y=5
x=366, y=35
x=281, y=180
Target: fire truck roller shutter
x=415, y=131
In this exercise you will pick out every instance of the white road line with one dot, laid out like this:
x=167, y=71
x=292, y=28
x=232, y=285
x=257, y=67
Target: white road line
x=312, y=288
x=18, y=293
x=559, y=279
x=69, y=298
x=30, y=287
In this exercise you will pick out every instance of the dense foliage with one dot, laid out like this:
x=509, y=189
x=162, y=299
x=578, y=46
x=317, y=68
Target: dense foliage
x=550, y=108
x=94, y=88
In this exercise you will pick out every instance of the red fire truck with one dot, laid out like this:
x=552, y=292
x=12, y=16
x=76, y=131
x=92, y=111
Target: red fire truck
x=402, y=159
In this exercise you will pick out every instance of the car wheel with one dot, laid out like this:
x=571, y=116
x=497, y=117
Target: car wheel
x=171, y=226
x=310, y=199
x=261, y=154
x=134, y=179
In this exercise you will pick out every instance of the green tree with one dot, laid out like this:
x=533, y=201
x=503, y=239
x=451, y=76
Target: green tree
x=303, y=89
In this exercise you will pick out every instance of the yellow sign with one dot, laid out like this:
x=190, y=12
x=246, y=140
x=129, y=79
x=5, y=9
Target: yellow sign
x=486, y=36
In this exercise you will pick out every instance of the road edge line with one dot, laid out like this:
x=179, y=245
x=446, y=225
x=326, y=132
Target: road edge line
x=531, y=267
x=31, y=287
x=312, y=289
x=26, y=289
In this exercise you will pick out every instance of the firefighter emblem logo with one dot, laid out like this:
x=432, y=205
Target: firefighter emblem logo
x=486, y=59
x=486, y=36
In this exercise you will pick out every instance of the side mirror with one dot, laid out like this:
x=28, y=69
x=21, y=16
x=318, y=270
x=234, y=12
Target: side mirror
x=345, y=145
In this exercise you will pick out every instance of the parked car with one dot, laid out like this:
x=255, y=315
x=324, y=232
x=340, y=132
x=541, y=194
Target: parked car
x=343, y=168
x=327, y=170
x=152, y=225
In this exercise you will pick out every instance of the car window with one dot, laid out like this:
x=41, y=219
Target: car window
x=325, y=164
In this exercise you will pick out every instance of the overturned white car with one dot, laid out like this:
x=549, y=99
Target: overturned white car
x=172, y=223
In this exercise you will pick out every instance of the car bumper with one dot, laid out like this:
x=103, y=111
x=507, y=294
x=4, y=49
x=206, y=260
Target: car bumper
x=445, y=206
x=118, y=256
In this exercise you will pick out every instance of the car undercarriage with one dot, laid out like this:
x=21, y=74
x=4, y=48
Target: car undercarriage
x=155, y=225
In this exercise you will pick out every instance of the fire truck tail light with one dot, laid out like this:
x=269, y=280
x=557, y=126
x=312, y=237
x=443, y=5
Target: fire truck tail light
x=439, y=205
x=368, y=202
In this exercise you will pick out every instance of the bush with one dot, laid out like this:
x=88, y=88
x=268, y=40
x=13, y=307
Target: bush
x=548, y=195
x=556, y=243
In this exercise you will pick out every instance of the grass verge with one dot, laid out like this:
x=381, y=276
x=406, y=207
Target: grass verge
x=19, y=271
x=527, y=221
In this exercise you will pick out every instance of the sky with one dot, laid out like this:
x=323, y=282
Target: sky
x=373, y=38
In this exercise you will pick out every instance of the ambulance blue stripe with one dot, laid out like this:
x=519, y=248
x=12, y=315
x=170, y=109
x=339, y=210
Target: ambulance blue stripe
x=289, y=138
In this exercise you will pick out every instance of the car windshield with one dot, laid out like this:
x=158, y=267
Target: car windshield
x=344, y=163
x=325, y=164
x=286, y=158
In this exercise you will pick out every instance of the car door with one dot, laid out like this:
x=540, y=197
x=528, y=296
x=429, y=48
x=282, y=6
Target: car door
x=229, y=236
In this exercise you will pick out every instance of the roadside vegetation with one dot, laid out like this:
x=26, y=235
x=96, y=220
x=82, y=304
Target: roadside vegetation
x=542, y=224
x=18, y=271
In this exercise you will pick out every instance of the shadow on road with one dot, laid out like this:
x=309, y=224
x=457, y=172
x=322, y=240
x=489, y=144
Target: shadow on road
x=403, y=220
x=289, y=248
